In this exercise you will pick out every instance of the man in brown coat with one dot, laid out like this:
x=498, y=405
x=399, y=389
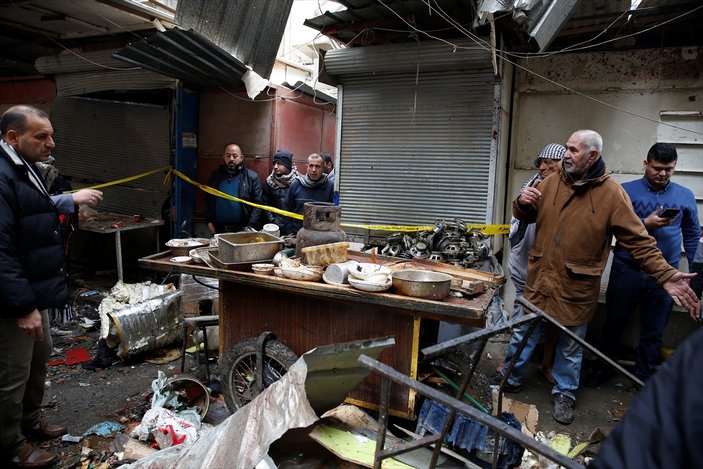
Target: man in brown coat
x=577, y=211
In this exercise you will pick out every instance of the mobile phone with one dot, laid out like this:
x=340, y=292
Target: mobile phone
x=669, y=213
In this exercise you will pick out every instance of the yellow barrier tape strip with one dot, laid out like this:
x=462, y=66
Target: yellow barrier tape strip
x=213, y=191
x=485, y=229
x=121, y=181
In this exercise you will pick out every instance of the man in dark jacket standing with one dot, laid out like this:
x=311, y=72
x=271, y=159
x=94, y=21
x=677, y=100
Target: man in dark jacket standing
x=314, y=186
x=276, y=189
x=32, y=280
x=224, y=215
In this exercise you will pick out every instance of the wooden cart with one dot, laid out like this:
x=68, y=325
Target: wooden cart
x=304, y=315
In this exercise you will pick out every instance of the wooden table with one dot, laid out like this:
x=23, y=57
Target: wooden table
x=116, y=223
x=304, y=315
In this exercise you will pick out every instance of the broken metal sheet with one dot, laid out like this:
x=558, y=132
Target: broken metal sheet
x=243, y=439
x=544, y=19
x=333, y=370
x=143, y=316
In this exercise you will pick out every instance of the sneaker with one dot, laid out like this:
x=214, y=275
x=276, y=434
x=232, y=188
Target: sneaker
x=563, y=411
x=507, y=387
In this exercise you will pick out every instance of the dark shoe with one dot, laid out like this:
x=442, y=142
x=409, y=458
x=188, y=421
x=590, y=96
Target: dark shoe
x=33, y=458
x=44, y=431
x=563, y=411
x=507, y=387
x=597, y=376
x=104, y=358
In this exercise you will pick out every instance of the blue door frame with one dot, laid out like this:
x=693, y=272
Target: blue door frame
x=185, y=161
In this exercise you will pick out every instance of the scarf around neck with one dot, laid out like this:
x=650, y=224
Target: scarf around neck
x=310, y=184
x=281, y=181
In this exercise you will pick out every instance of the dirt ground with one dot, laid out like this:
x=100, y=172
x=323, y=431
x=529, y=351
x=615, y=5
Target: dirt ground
x=80, y=399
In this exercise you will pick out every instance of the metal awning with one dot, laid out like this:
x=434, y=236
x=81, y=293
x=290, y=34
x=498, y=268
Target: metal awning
x=187, y=56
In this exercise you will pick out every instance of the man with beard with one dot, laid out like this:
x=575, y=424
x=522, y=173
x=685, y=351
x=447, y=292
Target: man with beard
x=314, y=186
x=577, y=212
x=276, y=189
x=227, y=216
x=629, y=288
x=521, y=236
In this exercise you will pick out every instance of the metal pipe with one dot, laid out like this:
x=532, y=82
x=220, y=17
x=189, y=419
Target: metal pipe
x=580, y=341
x=485, y=419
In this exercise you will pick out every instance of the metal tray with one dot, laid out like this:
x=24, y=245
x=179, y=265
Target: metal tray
x=238, y=266
x=248, y=246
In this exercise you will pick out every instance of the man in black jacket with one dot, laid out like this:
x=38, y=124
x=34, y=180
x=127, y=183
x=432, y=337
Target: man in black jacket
x=224, y=215
x=32, y=279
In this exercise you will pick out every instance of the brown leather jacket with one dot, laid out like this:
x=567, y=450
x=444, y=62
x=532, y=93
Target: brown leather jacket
x=575, y=225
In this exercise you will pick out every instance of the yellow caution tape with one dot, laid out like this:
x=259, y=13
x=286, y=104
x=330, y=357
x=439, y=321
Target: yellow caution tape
x=122, y=181
x=485, y=229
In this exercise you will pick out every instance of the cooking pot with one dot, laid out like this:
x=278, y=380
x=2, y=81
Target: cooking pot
x=422, y=283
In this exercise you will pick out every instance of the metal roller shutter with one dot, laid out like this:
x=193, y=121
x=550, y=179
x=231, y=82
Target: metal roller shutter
x=102, y=141
x=415, y=148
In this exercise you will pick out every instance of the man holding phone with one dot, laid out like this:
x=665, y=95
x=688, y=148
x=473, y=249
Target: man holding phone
x=668, y=211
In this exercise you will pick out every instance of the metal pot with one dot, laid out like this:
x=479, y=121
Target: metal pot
x=422, y=284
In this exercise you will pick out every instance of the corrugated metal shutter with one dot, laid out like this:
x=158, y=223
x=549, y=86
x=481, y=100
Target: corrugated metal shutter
x=103, y=141
x=417, y=148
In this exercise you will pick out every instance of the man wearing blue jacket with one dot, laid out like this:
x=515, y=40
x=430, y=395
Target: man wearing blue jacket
x=668, y=211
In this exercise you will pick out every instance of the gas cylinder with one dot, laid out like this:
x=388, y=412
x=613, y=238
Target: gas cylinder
x=321, y=225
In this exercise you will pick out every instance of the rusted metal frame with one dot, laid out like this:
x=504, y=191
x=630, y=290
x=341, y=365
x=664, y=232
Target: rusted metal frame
x=440, y=349
x=506, y=374
x=458, y=396
x=382, y=422
x=490, y=421
x=260, y=351
x=581, y=342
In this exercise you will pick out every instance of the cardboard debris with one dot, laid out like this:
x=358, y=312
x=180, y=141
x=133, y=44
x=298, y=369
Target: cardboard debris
x=527, y=414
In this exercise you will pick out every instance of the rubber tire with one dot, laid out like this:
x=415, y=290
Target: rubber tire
x=240, y=369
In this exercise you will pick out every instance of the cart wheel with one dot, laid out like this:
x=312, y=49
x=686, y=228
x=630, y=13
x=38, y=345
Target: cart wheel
x=240, y=366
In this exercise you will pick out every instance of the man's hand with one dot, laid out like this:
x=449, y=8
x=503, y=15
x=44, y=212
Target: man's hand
x=677, y=287
x=529, y=196
x=87, y=197
x=211, y=228
x=31, y=324
x=655, y=221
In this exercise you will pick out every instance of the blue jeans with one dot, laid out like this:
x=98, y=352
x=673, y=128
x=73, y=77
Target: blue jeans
x=629, y=288
x=567, y=360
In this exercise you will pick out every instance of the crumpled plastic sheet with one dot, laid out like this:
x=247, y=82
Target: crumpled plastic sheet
x=169, y=427
x=243, y=439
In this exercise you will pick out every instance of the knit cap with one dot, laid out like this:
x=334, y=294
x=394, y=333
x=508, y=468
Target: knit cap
x=284, y=157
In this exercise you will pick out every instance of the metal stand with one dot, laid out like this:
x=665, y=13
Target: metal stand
x=456, y=405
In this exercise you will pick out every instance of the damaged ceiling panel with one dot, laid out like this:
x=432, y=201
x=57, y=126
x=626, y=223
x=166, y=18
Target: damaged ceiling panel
x=185, y=55
x=249, y=30
x=35, y=28
x=522, y=25
x=367, y=22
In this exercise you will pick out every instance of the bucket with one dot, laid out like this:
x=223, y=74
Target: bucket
x=190, y=391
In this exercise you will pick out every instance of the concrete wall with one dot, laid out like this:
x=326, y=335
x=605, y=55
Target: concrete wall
x=628, y=97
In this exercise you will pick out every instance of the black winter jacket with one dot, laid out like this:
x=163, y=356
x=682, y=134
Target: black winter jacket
x=249, y=189
x=31, y=251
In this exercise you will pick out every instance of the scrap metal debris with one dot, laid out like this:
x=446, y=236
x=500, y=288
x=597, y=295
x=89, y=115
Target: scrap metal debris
x=450, y=241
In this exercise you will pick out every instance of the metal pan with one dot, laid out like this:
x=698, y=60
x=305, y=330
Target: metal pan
x=422, y=284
